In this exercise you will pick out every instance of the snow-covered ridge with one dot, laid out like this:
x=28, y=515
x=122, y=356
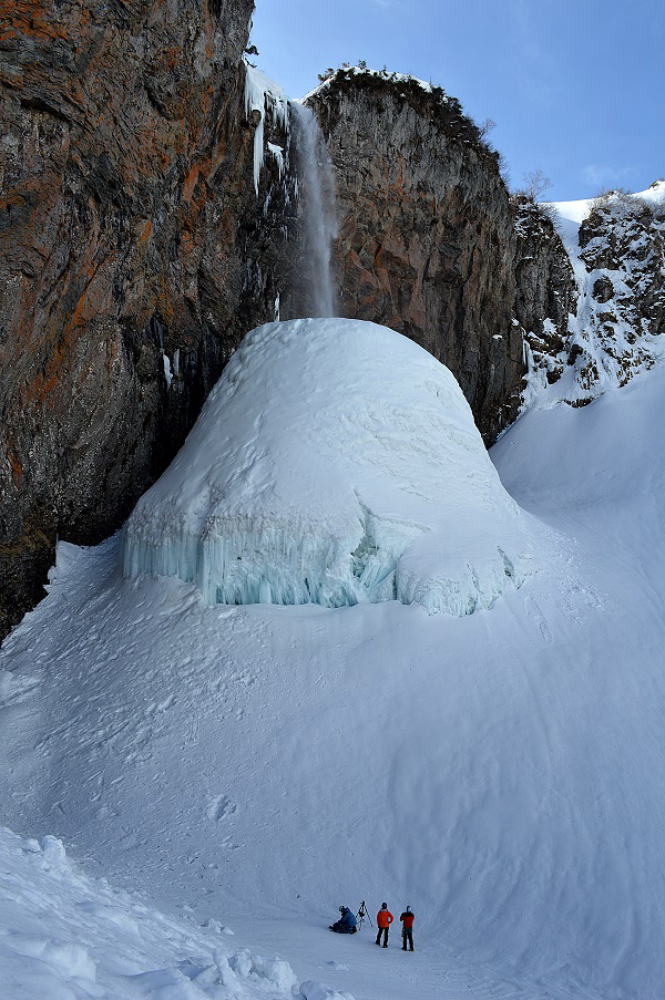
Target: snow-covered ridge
x=379, y=74
x=579, y=210
x=264, y=96
x=335, y=462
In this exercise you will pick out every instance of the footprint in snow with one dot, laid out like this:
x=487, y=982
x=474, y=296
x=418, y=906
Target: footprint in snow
x=219, y=807
x=533, y=611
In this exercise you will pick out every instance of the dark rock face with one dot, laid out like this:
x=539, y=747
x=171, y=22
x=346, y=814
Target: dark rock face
x=134, y=255
x=546, y=294
x=426, y=241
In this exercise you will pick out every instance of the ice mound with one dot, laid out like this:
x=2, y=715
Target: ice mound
x=334, y=462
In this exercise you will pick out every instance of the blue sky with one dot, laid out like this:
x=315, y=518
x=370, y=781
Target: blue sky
x=576, y=87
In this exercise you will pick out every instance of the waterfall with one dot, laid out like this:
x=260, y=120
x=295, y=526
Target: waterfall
x=316, y=214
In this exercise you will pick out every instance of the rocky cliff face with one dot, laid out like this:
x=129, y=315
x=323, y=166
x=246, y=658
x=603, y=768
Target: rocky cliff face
x=546, y=294
x=134, y=254
x=149, y=219
x=622, y=302
x=601, y=262
x=426, y=242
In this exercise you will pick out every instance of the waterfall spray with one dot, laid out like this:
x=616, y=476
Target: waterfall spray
x=317, y=214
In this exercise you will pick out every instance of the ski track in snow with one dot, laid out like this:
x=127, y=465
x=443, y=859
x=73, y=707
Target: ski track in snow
x=260, y=765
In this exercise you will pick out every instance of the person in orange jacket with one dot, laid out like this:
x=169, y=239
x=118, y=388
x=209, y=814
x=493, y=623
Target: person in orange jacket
x=384, y=919
x=407, y=919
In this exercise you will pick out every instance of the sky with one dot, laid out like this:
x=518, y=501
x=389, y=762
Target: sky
x=576, y=87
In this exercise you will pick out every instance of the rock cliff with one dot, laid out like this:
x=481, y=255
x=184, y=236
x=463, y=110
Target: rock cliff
x=596, y=271
x=134, y=254
x=622, y=302
x=427, y=241
x=546, y=294
x=148, y=185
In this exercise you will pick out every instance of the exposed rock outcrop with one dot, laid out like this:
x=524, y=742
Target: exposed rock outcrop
x=426, y=242
x=615, y=246
x=622, y=248
x=134, y=254
x=546, y=294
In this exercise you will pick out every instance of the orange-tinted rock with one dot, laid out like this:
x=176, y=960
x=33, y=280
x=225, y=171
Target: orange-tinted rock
x=128, y=223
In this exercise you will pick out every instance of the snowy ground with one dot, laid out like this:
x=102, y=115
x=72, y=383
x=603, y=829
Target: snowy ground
x=502, y=772
x=64, y=935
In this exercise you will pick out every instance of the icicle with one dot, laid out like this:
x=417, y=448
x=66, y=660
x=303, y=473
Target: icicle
x=278, y=153
x=168, y=374
x=261, y=94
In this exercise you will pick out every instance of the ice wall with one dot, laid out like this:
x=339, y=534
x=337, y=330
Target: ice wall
x=334, y=462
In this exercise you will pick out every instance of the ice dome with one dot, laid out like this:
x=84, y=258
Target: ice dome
x=334, y=462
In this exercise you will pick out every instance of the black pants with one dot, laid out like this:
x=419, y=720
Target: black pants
x=407, y=935
x=384, y=931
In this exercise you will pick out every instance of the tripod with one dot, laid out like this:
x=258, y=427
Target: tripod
x=362, y=915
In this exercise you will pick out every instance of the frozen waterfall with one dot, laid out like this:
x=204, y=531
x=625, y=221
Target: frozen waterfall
x=335, y=462
x=316, y=212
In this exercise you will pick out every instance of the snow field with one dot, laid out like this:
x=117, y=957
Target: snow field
x=335, y=462
x=64, y=936
x=500, y=772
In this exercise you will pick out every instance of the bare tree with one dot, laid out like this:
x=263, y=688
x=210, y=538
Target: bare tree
x=535, y=185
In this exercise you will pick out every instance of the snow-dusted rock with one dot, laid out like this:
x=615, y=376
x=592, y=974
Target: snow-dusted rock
x=334, y=462
x=616, y=311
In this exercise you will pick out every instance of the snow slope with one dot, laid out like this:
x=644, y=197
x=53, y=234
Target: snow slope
x=335, y=461
x=575, y=212
x=500, y=772
x=64, y=936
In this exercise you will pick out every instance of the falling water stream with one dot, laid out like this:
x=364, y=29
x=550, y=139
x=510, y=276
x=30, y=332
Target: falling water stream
x=317, y=214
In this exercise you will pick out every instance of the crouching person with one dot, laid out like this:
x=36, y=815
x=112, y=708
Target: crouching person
x=346, y=923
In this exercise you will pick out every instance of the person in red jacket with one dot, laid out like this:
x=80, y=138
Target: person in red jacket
x=384, y=919
x=407, y=919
